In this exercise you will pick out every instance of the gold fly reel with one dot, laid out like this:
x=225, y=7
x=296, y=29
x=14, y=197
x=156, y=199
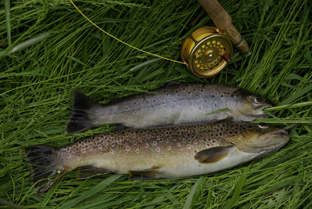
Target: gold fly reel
x=206, y=51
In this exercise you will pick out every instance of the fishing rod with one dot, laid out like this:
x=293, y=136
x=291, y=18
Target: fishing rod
x=207, y=50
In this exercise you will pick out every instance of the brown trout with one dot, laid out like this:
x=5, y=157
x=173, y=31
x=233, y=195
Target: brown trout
x=167, y=152
x=173, y=105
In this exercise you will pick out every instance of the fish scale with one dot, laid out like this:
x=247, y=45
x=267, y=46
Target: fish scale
x=134, y=140
x=174, y=105
x=167, y=152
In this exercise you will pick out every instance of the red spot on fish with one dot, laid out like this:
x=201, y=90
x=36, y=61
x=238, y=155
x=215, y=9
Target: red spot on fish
x=131, y=139
x=208, y=145
x=146, y=145
x=121, y=138
x=137, y=151
x=166, y=140
x=102, y=140
x=119, y=142
x=83, y=151
x=158, y=137
x=213, y=141
x=154, y=143
x=197, y=132
x=158, y=149
x=134, y=142
x=98, y=139
x=195, y=142
x=91, y=148
x=206, y=134
x=148, y=137
x=184, y=141
x=100, y=146
x=113, y=144
x=140, y=140
x=188, y=146
x=111, y=151
x=179, y=145
x=170, y=137
x=86, y=146
x=160, y=140
x=89, y=141
x=94, y=143
x=68, y=156
x=105, y=144
x=153, y=135
x=109, y=138
x=189, y=140
x=127, y=148
x=74, y=151
x=169, y=148
x=185, y=135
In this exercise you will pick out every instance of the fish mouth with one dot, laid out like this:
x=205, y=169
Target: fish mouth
x=280, y=132
x=258, y=112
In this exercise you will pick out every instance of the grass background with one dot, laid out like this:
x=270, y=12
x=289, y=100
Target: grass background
x=35, y=86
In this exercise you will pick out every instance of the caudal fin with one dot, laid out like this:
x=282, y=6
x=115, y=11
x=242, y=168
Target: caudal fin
x=80, y=120
x=43, y=164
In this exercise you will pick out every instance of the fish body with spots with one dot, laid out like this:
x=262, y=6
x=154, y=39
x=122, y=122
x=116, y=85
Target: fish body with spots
x=173, y=105
x=167, y=152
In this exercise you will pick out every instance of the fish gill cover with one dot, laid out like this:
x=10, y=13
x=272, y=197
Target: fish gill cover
x=36, y=82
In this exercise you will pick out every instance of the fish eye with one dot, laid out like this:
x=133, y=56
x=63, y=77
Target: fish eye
x=258, y=99
x=263, y=125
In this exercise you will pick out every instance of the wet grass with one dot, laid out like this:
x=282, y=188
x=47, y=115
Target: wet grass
x=36, y=81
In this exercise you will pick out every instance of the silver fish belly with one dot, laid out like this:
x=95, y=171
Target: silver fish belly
x=174, y=105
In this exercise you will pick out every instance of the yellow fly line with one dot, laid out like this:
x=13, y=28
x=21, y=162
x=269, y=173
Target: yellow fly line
x=121, y=40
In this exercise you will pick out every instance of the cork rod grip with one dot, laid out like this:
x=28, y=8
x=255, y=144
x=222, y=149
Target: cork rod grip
x=223, y=21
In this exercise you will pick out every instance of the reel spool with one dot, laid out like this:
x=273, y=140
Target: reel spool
x=206, y=51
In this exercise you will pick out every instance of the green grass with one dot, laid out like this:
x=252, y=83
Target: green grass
x=35, y=86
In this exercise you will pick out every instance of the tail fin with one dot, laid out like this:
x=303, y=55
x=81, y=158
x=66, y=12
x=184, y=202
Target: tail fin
x=43, y=164
x=79, y=120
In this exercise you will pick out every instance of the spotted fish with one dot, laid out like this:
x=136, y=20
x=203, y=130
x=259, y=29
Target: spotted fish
x=173, y=105
x=167, y=152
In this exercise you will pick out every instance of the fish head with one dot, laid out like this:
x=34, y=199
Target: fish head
x=260, y=138
x=249, y=107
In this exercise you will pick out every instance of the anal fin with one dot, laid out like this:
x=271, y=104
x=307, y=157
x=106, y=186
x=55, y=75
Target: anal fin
x=144, y=174
x=90, y=171
x=212, y=155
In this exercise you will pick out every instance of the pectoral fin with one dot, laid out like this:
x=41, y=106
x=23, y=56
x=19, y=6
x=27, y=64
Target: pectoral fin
x=89, y=171
x=212, y=155
x=144, y=174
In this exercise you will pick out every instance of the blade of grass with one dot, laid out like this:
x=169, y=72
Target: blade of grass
x=8, y=20
x=99, y=187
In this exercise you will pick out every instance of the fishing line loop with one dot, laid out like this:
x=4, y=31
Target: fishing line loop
x=133, y=47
